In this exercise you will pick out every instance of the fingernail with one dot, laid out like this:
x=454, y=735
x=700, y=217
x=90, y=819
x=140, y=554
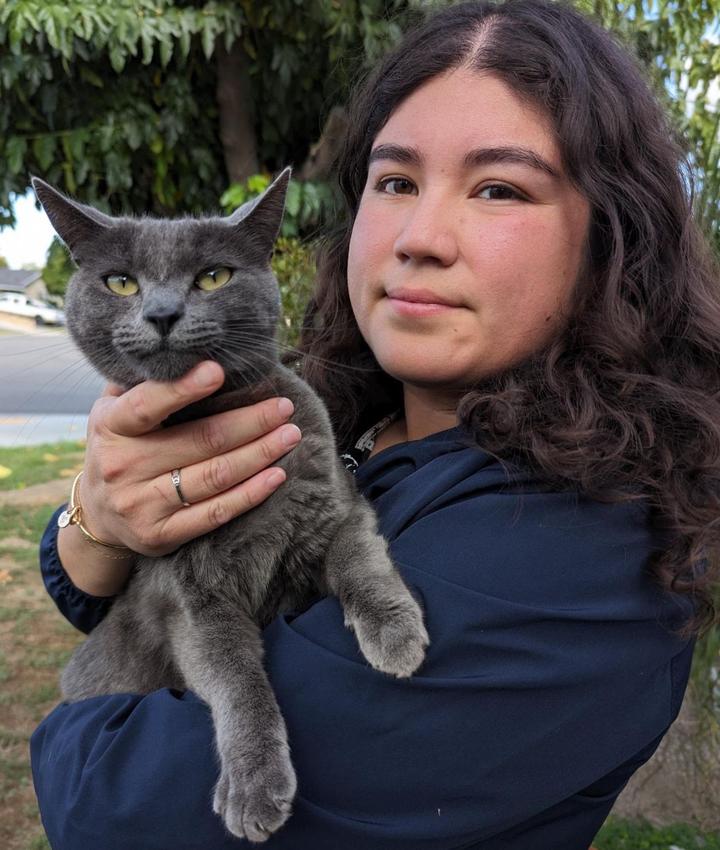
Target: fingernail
x=276, y=478
x=285, y=406
x=290, y=435
x=205, y=375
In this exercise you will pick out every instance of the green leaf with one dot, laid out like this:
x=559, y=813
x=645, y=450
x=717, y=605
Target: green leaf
x=15, y=153
x=133, y=135
x=32, y=18
x=44, y=149
x=257, y=184
x=74, y=144
x=293, y=199
x=147, y=45
x=184, y=37
x=87, y=75
x=166, y=49
x=208, y=37
x=87, y=23
x=233, y=197
x=50, y=28
x=69, y=178
x=117, y=58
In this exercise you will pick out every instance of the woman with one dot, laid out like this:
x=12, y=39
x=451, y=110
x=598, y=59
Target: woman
x=523, y=288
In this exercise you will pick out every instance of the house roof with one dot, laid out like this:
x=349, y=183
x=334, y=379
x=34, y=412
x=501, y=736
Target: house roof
x=12, y=280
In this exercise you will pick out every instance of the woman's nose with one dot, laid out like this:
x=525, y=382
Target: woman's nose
x=428, y=232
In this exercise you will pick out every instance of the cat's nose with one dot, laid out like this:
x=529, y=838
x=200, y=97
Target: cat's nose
x=164, y=317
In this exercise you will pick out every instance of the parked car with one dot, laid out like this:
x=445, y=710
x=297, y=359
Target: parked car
x=21, y=305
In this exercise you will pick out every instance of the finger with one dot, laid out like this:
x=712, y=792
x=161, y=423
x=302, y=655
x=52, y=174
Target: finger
x=218, y=474
x=188, y=523
x=192, y=442
x=112, y=391
x=144, y=407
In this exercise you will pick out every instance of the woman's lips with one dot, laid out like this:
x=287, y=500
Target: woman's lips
x=418, y=302
x=417, y=308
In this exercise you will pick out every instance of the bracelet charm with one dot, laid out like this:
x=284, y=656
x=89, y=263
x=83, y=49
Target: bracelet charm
x=67, y=517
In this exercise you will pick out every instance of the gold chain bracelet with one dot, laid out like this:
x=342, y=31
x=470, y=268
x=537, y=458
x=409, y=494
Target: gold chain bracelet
x=72, y=515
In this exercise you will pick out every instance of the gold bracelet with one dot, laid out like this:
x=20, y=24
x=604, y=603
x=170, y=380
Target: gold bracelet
x=72, y=515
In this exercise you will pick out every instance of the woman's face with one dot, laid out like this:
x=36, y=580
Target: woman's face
x=465, y=209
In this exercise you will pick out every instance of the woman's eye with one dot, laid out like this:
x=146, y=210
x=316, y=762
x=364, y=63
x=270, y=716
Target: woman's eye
x=498, y=192
x=213, y=279
x=400, y=184
x=403, y=186
x=121, y=284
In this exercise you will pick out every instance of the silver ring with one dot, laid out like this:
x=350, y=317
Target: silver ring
x=175, y=475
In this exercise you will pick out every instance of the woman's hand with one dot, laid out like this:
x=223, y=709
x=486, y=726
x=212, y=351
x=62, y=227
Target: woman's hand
x=127, y=495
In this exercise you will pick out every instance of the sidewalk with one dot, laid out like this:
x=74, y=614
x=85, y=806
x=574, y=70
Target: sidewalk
x=17, y=429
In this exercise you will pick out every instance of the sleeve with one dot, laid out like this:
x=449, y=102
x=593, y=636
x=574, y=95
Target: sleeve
x=81, y=609
x=549, y=668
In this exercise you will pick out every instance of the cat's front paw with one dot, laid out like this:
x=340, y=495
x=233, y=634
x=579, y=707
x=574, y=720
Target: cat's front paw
x=391, y=634
x=254, y=804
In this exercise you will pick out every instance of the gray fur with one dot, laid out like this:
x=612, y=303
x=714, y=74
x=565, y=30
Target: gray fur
x=192, y=619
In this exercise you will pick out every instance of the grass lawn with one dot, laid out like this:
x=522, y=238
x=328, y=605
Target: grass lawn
x=35, y=641
x=23, y=467
x=619, y=834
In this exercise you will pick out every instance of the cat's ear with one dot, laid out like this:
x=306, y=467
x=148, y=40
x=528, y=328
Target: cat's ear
x=262, y=216
x=74, y=223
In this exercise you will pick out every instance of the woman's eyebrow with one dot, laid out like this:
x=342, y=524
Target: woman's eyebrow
x=473, y=158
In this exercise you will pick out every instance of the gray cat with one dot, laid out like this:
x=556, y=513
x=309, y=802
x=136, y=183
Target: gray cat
x=183, y=291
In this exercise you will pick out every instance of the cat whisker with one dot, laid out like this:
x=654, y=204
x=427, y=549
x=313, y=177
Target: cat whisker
x=245, y=365
x=55, y=379
x=42, y=352
x=339, y=368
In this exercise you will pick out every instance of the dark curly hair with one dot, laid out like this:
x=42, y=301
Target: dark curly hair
x=624, y=403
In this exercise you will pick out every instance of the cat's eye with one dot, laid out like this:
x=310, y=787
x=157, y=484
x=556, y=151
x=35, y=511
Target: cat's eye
x=213, y=279
x=121, y=284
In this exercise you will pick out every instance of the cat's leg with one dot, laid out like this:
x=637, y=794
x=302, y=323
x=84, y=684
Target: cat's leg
x=378, y=607
x=219, y=650
x=121, y=655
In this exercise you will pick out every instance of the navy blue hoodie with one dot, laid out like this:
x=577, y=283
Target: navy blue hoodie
x=551, y=676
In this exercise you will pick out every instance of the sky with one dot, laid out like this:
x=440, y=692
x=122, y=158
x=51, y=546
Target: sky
x=27, y=244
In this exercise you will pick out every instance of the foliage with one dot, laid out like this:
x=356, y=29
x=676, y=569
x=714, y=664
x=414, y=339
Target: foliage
x=618, y=834
x=143, y=135
x=120, y=141
x=58, y=268
x=3, y=263
x=679, y=44
x=307, y=205
x=294, y=266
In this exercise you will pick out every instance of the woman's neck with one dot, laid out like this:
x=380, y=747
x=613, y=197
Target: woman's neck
x=425, y=412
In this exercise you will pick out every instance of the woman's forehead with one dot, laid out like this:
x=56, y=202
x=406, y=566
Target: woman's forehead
x=463, y=111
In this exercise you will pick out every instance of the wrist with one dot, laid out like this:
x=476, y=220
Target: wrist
x=74, y=515
x=88, y=567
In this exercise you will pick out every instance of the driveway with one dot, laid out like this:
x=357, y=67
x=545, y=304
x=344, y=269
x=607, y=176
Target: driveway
x=46, y=388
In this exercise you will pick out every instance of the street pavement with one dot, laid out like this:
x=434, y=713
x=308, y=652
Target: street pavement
x=46, y=388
